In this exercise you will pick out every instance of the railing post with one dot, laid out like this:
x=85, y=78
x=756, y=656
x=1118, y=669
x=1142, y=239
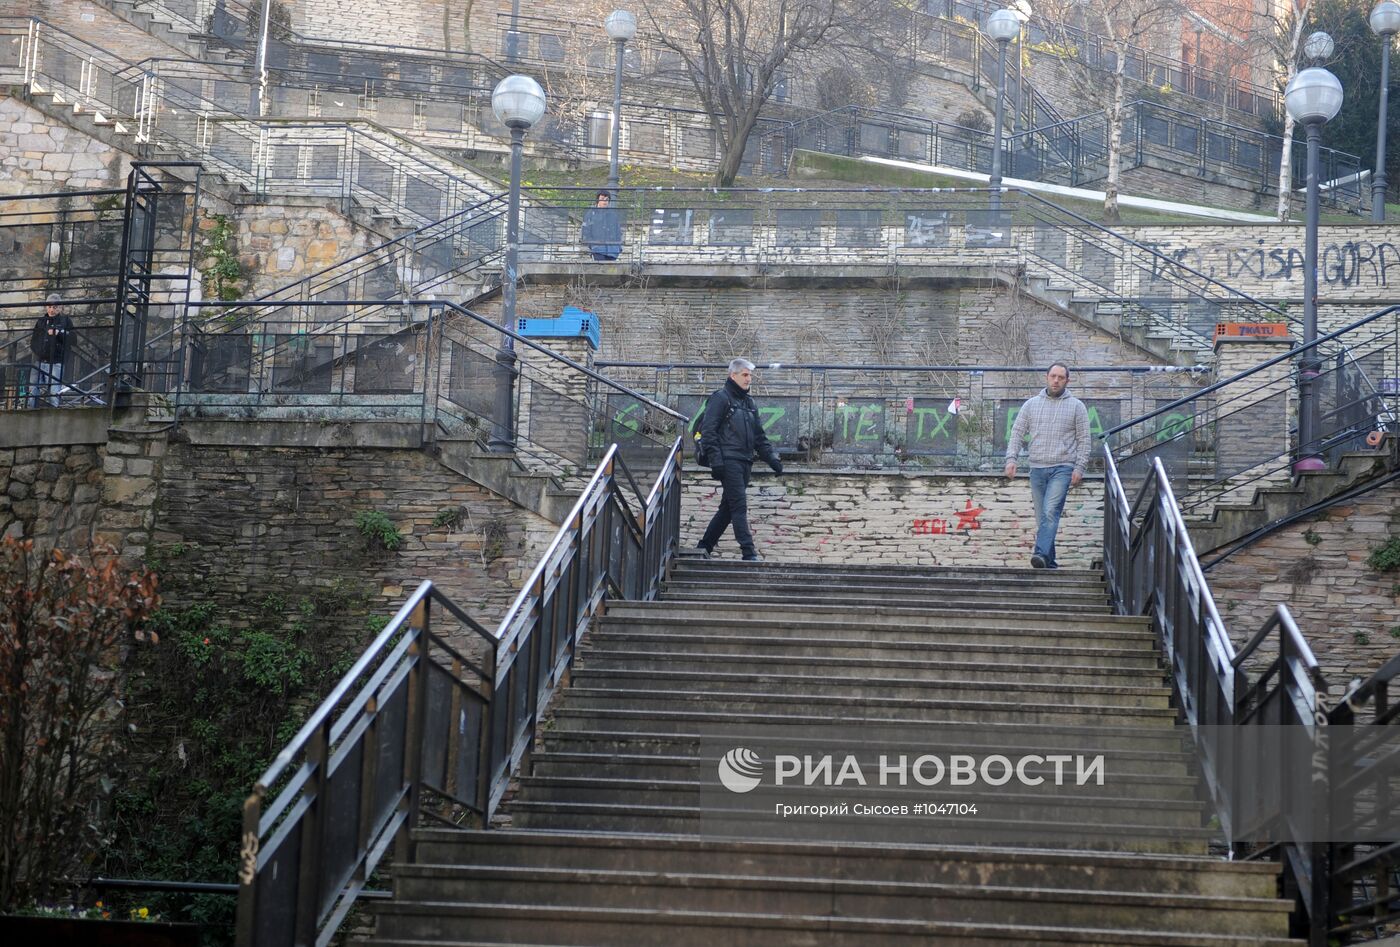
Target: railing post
x=417, y=706
x=246, y=921
x=309, y=872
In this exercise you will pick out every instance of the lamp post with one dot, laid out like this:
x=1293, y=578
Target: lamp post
x=1003, y=26
x=621, y=27
x=518, y=102
x=513, y=37
x=260, y=90
x=1385, y=23
x=1313, y=97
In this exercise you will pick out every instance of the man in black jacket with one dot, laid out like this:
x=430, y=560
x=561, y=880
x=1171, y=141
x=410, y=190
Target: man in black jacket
x=48, y=344
x=730, y=435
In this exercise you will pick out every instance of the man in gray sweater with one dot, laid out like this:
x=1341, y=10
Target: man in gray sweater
x=1057, y=424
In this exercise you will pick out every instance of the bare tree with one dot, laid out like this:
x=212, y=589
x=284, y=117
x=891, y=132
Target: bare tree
x=735, y=52
x=1124, y=26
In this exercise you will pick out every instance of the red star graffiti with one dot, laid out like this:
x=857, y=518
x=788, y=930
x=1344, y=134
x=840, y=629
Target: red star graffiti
x=967, y=517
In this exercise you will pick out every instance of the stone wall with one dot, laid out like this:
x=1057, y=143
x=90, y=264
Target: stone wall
x=256, y=521
x=38, y=154
x=278, y=243
x=1356, y=262
x=1349, y=613
x=51, y=494
x=90, y=22
x=928, y=324
x=897, y=519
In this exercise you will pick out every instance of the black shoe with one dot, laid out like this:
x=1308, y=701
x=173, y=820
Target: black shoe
x=753, y=557
x=1038, y=562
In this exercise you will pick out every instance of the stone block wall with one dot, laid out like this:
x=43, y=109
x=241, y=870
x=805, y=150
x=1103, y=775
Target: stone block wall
x=897, y=519
x=939, y=324
x=1349, y=612
x=38, y=154
x=260, y=520
x=51, y=494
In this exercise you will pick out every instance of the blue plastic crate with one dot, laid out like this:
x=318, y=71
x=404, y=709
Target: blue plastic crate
x=572, y=323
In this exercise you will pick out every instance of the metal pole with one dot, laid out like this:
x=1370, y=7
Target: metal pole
x=995, y=181
x=260, y=92
x=616, y=116
x=1309, y=417
x=513, y=39
x=1378, y=178
x=503, y=436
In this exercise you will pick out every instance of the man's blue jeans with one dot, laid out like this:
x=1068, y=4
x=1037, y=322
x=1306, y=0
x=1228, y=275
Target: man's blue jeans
x=1049, y=487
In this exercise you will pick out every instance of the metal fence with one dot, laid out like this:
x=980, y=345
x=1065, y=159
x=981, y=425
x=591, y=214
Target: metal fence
x=1240, y=434
x=1128, y=283
x=183, y=111
x=424, y=362
x=1143, y=66
x=943, y=417
x=438, y=714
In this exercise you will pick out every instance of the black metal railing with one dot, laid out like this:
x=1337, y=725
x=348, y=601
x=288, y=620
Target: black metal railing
x=946, y=417
x=432, y=722
x=426, y=362
x=1291, y=778
x=1142, y=65
x=1131, y=283
x=1239, y=434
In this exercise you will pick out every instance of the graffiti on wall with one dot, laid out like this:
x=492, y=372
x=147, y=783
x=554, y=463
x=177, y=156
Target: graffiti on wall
x=1345, y=264
x=966, y=521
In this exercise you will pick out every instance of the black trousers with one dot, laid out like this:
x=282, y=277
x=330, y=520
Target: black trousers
x=733, y=508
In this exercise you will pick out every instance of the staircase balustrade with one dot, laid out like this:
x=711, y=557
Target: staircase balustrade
x=1330, y=822
x=438, y=713
x=1239, y=434
x=907, y=417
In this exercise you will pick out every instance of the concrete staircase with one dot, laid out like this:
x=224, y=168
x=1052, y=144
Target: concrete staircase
x=601, y=842
x=1231, y=521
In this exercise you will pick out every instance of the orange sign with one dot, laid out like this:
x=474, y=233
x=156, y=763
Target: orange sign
x=1251, y=330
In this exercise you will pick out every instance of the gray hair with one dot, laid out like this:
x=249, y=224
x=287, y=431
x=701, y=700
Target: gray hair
x=740, y=365
x=53, y=299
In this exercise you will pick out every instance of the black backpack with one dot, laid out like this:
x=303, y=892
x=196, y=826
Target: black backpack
x=699, y=452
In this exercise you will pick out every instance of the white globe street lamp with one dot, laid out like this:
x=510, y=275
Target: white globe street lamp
x=518, y=102
x=1385, y=23
x=1318, y=46
x=621, y=26
x=1002, y=26
x=1313, y=97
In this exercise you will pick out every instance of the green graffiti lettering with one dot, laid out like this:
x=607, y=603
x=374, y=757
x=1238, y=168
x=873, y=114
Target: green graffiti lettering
x=940, y=423
x=865, y=427
x=1096, y=427
x=844, y=412
x=1174, y=425
x=627, y=420
x=769, y=416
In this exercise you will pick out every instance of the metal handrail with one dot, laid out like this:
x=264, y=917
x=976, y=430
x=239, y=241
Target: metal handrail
x=1266, y=364
x=300, y=871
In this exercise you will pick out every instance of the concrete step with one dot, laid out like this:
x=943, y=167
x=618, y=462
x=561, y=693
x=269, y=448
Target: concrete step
x=866, y=645
x=934, y=637
x=858, y=599
x=690, y=891
x=715, y=713
x=969, y=575
x=1008, y=575
x=871, y=862
x=999, y=707
x=935, y=593
x=882, y=615
x=616, y=763
x=659, y=927
x=869, y=687
x=1037, y=669
x=1123, y=801
x=1087, y=833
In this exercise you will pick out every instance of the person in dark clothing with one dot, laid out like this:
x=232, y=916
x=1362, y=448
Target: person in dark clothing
x=48, y=345
x=731, y=435
x=602, y=229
